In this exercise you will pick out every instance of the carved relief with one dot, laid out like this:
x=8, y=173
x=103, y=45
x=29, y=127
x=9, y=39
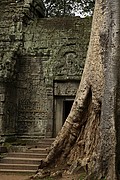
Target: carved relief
x=65, y=88
x=68, y=62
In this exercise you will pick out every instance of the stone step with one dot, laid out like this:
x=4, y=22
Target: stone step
x=48, y=139
x=35, y=140
x=28, y=155
x=43, y=145
x=36, y=137
x=30, y=143
x=18, y=160
x=38, y=150
x=25, y=158
x=7, y=166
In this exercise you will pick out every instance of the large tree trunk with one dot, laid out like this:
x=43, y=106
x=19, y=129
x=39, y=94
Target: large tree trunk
x=89, y=132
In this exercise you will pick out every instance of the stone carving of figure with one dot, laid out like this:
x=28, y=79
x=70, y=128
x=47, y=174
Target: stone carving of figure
x=70, y=62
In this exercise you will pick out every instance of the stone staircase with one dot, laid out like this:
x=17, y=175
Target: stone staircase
x=26, y=161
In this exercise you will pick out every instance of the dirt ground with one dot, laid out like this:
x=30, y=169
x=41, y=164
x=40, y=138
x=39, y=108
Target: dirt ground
x=13, y=177
x=26, y=177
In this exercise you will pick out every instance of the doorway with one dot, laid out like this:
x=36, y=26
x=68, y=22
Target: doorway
x=62, y=107
x=67, y=104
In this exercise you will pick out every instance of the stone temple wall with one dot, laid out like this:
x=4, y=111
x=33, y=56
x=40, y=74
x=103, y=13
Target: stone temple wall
x=14, y=16
x=53, y=61
x=42, y=60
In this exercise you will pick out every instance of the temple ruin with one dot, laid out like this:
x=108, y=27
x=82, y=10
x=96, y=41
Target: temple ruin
x=41, y=63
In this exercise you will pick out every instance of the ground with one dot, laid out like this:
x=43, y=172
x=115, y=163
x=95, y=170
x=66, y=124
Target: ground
x=26, y=177
x=13, y=177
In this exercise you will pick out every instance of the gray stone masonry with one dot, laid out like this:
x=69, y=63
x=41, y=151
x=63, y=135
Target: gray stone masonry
x=41, y=63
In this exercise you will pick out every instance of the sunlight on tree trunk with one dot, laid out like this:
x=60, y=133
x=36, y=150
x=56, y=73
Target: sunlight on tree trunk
x=89, y=134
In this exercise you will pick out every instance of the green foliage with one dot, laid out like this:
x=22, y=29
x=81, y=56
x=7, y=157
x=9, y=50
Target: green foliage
x=85, y=6
x=68, y=7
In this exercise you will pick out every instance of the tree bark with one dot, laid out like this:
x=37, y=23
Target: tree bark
x=110, y=56
x=89, y=132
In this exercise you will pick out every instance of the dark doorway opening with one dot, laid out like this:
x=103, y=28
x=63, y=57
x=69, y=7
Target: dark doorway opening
x=67, y=104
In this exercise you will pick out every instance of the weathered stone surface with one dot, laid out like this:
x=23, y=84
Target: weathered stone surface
x=41, y=61
x=52, y=68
